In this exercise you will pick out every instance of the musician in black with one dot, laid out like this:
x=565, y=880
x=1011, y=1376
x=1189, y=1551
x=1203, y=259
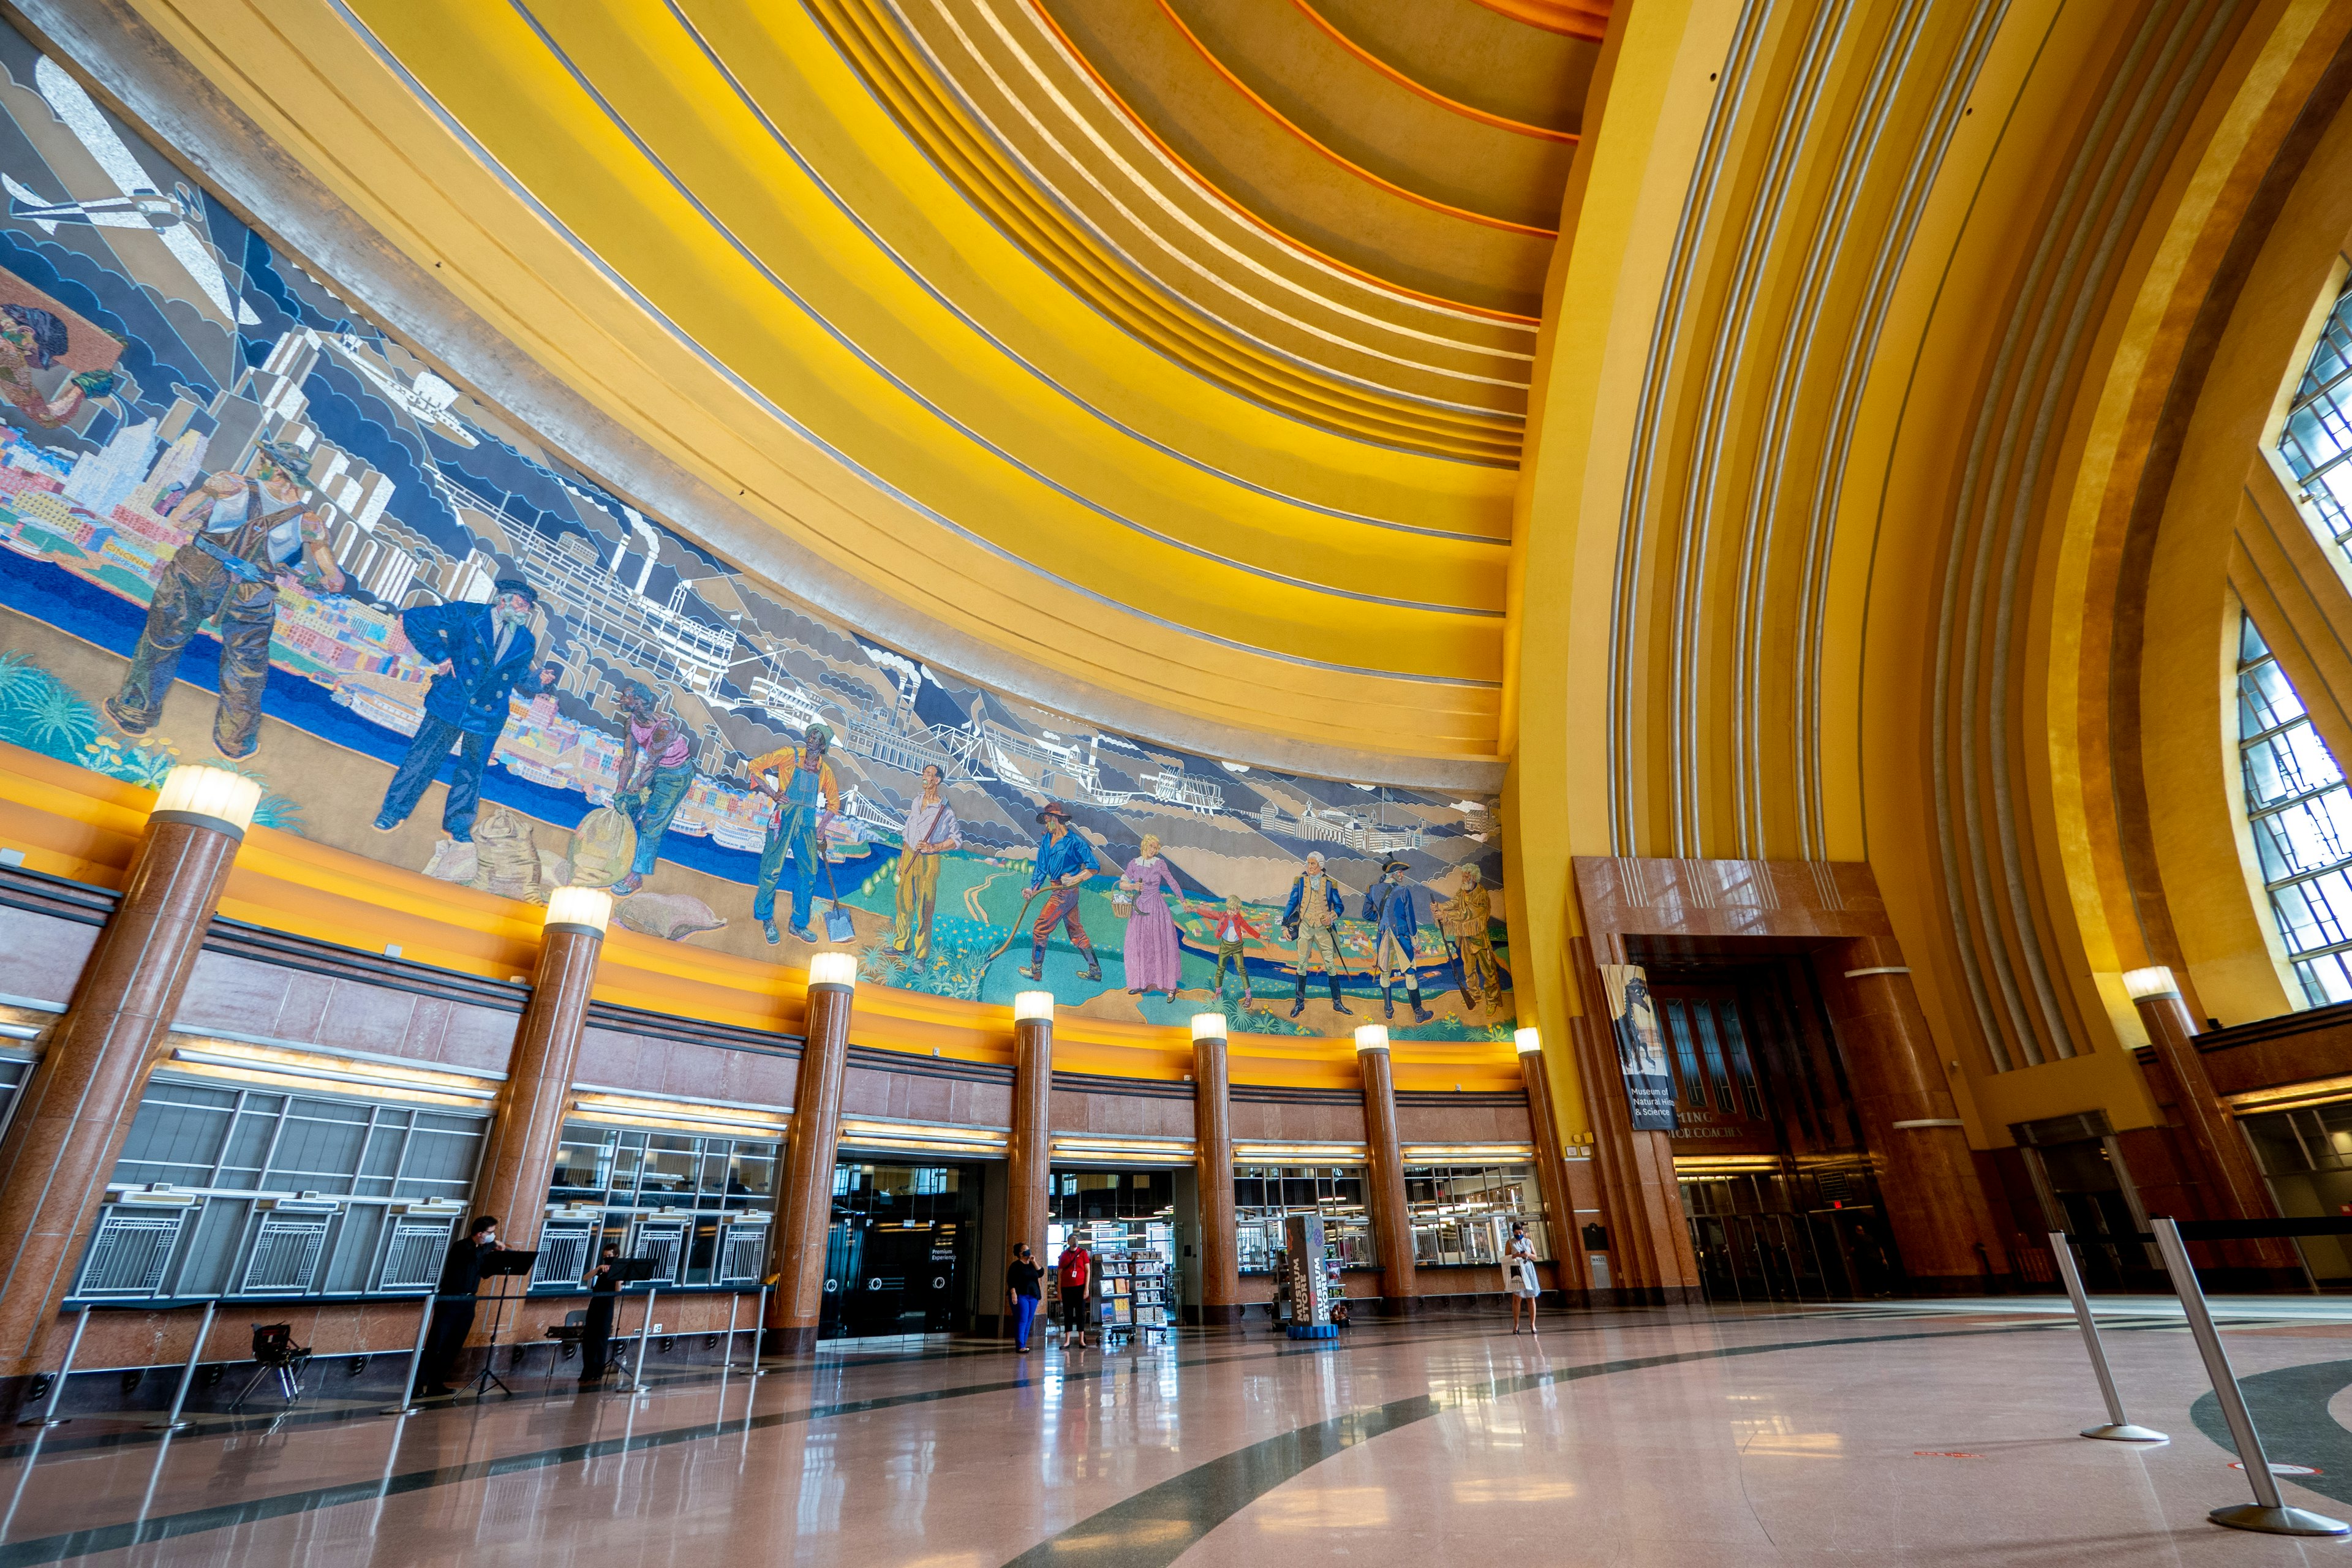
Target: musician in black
x=453, y=1305
x=596, y=1334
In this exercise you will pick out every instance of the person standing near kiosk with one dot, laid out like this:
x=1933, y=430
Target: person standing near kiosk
x=453, y=1304
x=597, y=1332
x=1075, y=1278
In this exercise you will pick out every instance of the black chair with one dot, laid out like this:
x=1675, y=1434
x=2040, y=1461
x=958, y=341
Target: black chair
x=274, y=1351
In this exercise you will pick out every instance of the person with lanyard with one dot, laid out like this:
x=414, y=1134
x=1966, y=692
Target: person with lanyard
x=656, y=770
x=930, y=832
x=1021, y=1291
x=1064, y=860
x=1519, y=1275
x=1074, y=1279
x=247, y=535
x=453, y=1305
x=481, y=656
x=597, y=1332
x=800, y=780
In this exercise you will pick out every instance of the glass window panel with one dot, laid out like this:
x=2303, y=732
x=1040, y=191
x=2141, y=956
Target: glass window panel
x=1713, y=1047
x=1694, y=1082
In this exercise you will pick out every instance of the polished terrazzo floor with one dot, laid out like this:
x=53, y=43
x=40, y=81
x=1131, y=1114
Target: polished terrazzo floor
x=1899, y=1434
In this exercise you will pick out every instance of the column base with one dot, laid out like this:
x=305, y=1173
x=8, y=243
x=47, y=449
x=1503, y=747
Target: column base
x=1395, y=1306
x=1216, y=1315
x=789, y=1341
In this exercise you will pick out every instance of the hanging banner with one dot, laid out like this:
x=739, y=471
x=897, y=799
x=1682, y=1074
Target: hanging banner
x=1641, y=1047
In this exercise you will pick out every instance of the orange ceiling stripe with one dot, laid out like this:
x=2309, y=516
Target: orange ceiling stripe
x=1468, y=112
x=1586, y=20
x=1271, y=113
x=1291, y=241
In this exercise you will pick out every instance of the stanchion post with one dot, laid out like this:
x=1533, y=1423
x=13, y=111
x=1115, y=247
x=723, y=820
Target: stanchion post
x=734, y=1304
x=2119, y=1428
x=409, y=1406
x=644, y=1334
x=758, y=1328
x=2268, y=1513
x=171, y=1423
x=49, y=1415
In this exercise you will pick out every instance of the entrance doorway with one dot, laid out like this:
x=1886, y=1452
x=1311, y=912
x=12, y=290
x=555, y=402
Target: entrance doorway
x=900, y=1254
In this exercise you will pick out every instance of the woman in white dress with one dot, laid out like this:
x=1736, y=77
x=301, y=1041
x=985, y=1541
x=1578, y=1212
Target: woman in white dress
x=1519, y=1275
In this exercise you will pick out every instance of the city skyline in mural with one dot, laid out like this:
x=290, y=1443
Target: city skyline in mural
x=242, y=524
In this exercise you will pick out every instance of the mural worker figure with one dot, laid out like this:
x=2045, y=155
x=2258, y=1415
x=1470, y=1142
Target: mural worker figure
x=930, y=833
x=480, y=655
x=806, y=796
x=656, y=770
x=1311, y=919
x=1394, y=910
x=1465, y=918
x=248, y=533
x=1064, y=861
x=1234, y=931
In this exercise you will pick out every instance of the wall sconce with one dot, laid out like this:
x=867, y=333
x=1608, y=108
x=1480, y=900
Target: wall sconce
x=216, y=797
x=1033, y=1007
x=1372, y=1037
x=585, y=910
x=1528, y=1041
x=835, y=966
x=1208, y=1025
x=2147, y=985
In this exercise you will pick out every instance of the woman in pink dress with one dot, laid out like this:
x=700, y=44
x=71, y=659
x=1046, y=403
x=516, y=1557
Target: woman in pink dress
x=1155, y=960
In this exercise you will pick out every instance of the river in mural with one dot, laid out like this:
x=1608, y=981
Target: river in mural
x=244, y=525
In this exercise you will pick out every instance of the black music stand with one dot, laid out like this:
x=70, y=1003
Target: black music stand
x=628, y=1272
x=500, y=1265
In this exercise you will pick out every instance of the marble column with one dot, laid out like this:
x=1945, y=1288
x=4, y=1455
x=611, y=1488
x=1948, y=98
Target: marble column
x=2237, y=1185
x=1651, y=1260
x=1552, y=1168
x=797, y=1251
x=79, y=1102
x=1212, y=1154
x=1934, y=1201
x=526, y=1125
x=1385, y=1177
x=1027, y=1197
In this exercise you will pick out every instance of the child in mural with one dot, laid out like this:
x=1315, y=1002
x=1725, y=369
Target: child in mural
x=249, y=532
x=806, y=794
x=656, y=770
x=1311, y=919
x=1394, y=908
x=1064, y=861
x=1155, y=957
x=32, y=339
x=481, y=654
x=930, y=833
x=1234, y=931
x=1464, y=919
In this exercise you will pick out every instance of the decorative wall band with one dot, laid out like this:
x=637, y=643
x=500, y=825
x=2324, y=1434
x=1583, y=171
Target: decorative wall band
x=1883, y=969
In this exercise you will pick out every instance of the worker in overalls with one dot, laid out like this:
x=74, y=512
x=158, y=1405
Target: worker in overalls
x=800, y=780
x=249, y=531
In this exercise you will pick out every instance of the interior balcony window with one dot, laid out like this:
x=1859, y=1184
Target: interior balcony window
x=2302, y=818
x=2317, y=443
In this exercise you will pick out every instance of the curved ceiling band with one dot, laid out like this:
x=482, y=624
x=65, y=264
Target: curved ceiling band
x=1404, y=80
x=1574, y=18
x=1347, y=164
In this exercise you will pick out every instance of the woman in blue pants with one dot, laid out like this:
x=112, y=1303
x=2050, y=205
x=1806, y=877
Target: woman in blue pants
x=1021, y=1289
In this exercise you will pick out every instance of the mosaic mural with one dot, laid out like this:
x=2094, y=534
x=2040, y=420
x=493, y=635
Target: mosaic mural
x=243, y=525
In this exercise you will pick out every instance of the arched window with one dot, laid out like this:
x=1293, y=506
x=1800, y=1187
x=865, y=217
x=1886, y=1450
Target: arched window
x=2317, y=440
x=2301, y=817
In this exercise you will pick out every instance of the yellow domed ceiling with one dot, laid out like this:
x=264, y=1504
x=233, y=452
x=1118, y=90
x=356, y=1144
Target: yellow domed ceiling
x=1178, y=347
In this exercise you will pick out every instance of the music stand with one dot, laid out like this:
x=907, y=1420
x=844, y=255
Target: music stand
x=500, y=1265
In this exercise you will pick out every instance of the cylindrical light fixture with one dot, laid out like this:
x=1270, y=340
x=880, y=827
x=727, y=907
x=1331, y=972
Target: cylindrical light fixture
x=1032, y=1006
x=585, y=910
x=1208, y=1025
x=2146, y=984
x=212, y=798
x=1372, y=1037
x=834, y=966
x=1529, y=1041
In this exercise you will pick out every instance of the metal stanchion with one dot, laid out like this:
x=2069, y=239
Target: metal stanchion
x=734, y=1304
x=171, y=1423
x=644, y=1334
x=49, y=1415
x=2268, y=1512
x=2119, y=1428
x=759, y=1336
x=409, y=1406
